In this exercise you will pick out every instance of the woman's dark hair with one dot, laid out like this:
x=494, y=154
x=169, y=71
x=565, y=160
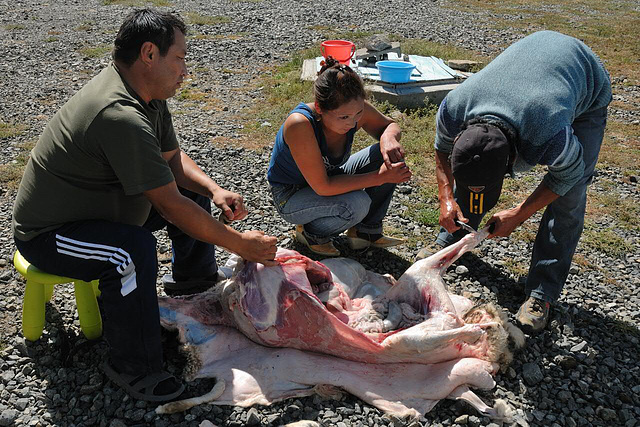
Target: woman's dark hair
x=337, y=84
x=145, y=25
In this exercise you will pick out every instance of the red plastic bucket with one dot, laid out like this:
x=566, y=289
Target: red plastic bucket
x=342, y=50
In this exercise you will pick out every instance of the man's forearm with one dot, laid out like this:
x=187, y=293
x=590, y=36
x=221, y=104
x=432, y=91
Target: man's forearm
x=199, y=224
x=541, y=197
x=189, y=175
x=444, y=177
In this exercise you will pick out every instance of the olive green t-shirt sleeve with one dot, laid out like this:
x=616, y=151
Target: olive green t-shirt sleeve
x=125, y=136
x=169, y=141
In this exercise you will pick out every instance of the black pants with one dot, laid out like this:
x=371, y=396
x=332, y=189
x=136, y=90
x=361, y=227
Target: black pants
x=124, y=258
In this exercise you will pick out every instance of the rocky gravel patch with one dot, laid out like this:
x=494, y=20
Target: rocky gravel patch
x=583, y=371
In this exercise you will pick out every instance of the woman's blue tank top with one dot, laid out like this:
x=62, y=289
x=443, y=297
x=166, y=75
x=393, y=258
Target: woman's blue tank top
x=282, y=166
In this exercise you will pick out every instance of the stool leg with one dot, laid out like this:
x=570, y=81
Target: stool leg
x=33, y=310
x=48, y=292
x=96, y=289
x=88, y=311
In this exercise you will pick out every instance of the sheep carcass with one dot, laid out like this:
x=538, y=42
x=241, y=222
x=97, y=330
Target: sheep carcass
x=303, y=326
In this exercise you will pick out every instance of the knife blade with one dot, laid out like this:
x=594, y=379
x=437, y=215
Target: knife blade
x=465, y=226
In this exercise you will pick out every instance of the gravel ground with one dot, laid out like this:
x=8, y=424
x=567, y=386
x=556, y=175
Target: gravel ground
x=584, y=370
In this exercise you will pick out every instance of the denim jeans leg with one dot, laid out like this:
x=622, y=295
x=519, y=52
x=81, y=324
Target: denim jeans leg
x=368, y=160
x=563, y=220
x=324, y=216
x=190, y=257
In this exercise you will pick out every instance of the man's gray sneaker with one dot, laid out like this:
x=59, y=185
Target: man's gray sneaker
x=533, y=315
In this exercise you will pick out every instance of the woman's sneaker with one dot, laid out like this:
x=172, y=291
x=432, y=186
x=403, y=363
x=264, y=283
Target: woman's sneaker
x=431, y=249
x=358, y=240
x=325, y=249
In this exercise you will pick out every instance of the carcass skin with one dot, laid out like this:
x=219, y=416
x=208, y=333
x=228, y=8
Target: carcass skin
x=403, y=371
x=255, y=374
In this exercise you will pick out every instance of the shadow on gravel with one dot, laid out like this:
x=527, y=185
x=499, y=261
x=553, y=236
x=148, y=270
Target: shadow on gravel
x=68, y=366
x=585, y=360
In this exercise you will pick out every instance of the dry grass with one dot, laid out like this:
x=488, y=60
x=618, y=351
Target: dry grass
x=610, y=28
x=95, y=51
x=11, y=173
x=191, y=96
x=9, y=130
x=194, y=18
x=139, y=3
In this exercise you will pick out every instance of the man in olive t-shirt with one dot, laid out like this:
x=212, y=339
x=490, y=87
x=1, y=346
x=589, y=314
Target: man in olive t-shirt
x=106, y=172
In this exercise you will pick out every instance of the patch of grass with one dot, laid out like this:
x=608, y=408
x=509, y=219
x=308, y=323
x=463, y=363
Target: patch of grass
x=130, y=3
x=95, y=51
x=516, y=268
x=195, y=18
x=85, y=26
x=13, y=27
x=605, y=240
x=621, y=146
x=11, y=173
x=8, y=130
x=204, y=100
x=189, y=94
x=236, y=36
x=626, y=211
x=321, y=28
x=425, y=208
x=51, y=39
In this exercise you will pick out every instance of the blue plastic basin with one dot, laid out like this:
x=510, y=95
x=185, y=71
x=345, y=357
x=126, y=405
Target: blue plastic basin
x=395, y=71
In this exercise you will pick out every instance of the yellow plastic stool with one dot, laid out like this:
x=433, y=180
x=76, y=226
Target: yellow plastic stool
x=39, y=290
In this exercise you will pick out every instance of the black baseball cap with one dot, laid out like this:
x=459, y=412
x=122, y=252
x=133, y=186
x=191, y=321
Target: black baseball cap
x=479, y=162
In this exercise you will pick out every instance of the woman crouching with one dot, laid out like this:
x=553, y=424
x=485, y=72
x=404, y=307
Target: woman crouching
x=315, y=181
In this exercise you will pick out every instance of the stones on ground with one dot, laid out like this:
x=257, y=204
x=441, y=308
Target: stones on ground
x=593, y=347
x=531, y=373
x=463, y=64
x=377, y=42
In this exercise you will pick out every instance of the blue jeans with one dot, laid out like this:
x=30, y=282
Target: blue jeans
x=562, y=222
x=327, y=216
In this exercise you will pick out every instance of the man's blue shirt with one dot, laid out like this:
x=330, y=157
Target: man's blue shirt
x=539, y=86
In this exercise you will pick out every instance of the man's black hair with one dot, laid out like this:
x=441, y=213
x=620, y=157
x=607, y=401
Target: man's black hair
x=145, y=25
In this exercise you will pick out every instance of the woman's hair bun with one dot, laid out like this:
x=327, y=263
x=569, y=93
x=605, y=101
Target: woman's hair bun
x=327, y=63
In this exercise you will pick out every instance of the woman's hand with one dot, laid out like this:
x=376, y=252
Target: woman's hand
x=398, y=172
x=390, y=148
